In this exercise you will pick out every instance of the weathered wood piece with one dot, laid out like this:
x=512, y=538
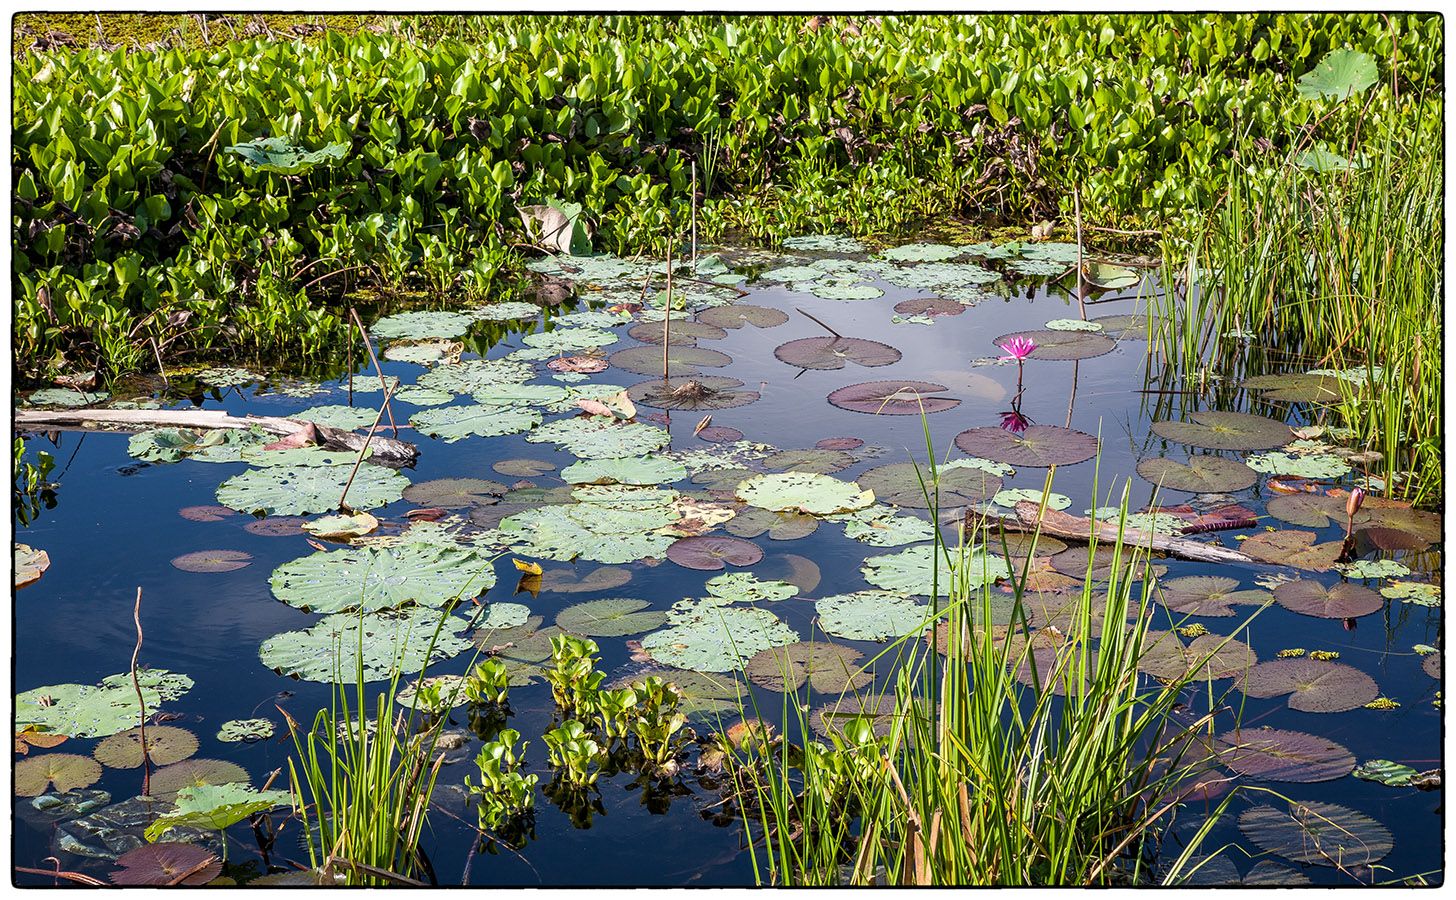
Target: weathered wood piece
x=1063, y=525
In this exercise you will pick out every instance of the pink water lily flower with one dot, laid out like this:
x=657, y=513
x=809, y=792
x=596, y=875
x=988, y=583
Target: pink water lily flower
x=1013, y=421
x=1018, y=348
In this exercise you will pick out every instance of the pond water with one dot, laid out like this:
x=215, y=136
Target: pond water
x=116, y=526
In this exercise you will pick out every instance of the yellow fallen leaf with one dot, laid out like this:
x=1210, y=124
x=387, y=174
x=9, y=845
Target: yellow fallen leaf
x=528, y=567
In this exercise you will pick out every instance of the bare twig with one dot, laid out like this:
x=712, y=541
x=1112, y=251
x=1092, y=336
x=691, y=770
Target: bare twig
x=157, y=352
x=364, y=448
x=183, y=876
x=1077, y=210
x=374, y=359
x=141, y=701
x=58, y=873
x=820, y=322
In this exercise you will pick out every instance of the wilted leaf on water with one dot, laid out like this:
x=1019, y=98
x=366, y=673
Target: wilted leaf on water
x=1312, y=685
x=1272, y=754
x=1339, y=74
x=208, y=561
x=165, y=745
x=716, y=638
x=1062, y=346
x=1340, y=601
x=602, y=578
x=283, y=491
x=818, y=460
x=806, y=492
x=30, y=564
x=342, y=527
x=375, y=578
x=871, y=615
x=615, y=617
x=245, y=731
x=702, y=392
x=394, y=640
x=1208, y=595
x=711, y=552
x=894, y=398
x=29, y=736
x=214, y=807
x=681, y=360
x=1200, y=475
x=83, y=711
x=67, y=771
x=160, y=865
x=1293, y=548
x=1386, y=772
x=827, y=668
x=1321, y=834
x=1226, y=431
x=905, y=484
x=1039, y=446
x=835, y=352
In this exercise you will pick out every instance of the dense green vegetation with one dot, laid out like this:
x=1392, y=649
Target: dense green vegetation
x=135, y=224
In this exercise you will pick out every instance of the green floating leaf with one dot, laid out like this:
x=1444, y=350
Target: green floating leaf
x=1339, y=74
x=1314, y=465
x=1009, y=498
x=473, y=375
x=716, y=638
x=590, y=531
x=597, y=437
x=1073, y=325
x=392, y=641
x=453, y=423
x=214, y=807
x=67, y=771
x=745, y=587
x=911, y=570
x=806, y=492
x=871, y=615
x=282, y=491
x=639, y=471
x=1372, y=568
x=960, y=483
x=84, y=711
x=613, y=617
x=67, y=397
x=1200, y=475
x=275, y=154
x=377, y=578
x=347, y=418
x=1386, y=772
x=1226, y=431
x=245, y=731
x=1418, y=593
x=878, y=526
x=826, y=668
x=921, y=252
x=823, y=243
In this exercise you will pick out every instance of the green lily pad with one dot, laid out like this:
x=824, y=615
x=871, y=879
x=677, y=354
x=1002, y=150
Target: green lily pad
x=347, y=418
x=878, y=526
x=921, y=252
x=1338, y=75
x=1314, y=465
x=85, y=711
x=903, y=484
x=65, y=397
x=214, y=807
x=377, y=578
x=737, y=315
x=602, y=578
x=806, y=492
x=1312, y=685
x=506, y=311
x=452, y=423
x=910, y=570
x=597, y=437
x=1272, y=754
x=245, y=731
x=1208, y=595
x=589, y=531
x=1073, y=325
x=1226, y=431
x=1413, y=592
x=716, y=638
x=1009, y=498
x=165, y=745
x=1296, y=388
x=826, y=668
x=871, y=615
x=824, y=462
x=421, y=325
x=212, y=561
x=302, y=491
x=1386, y=772
x=1200, y=475
x=894, y=398
x=1062, y=346
x=1362, y=569
x=473, y=375
x=1124, y=328
x=276, y=154
x=1040, y=446
x=1321, y=834
x=841, y=288
x=511, y=394
x=524, y=468
x=564, y=340
x=67, y=771
x=614, y=617
x=638, y=470
x=171, y=445
x=1340, y=601
x=1108, y=277
x=824, y=243
x=836, y=352
x=392, y=641
x=745, y=587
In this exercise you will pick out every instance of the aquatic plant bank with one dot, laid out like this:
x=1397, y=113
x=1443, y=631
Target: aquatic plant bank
x=386, y=161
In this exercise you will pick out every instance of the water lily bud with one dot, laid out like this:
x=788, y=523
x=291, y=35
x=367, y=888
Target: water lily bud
x=1352, y=506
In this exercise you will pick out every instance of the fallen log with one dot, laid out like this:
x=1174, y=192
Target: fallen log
x=385, y=450
x=1062, y=525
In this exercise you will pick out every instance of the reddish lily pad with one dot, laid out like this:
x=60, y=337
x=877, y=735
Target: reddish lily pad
x=1226, y=431
x=680, y=360
x=836, y=352
x=710, y=552
x=213, y=561
x=1293, y=548
x=1208, y=595
x=1312, y=685
x=1273, y=754
x=893, y=398
x=1387, y=539
x=1200, y=475
x=680, y=334
x=824, y=462
x=900, y=484
x=839, y=443
x=1073, y=561
x=933, y=307
x=168, y=780
x=209, y=512
x=720, y=434
x=1341, y=601
x=1039, y=446
x=1423, y=525
x=827, y=668
x=160, y=865
x=277, y=526
x=736, y=315
x=455, y=493
x=1063, y=346
x=1321, y=834
x=702, y=392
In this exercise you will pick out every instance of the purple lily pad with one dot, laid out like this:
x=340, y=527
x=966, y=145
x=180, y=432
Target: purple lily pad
x=1200, y=475
x=680, y=360
x=1341, y=601
x=1273, y=754
x=455, y=493
x=1312, y=685
x=206, y=513
x=900, y=484
x=209, y=561
x=933, y=307
x=1226, y=431
x=836, y=352
x=1207, y=595
x=824, y=462
x=679, y=335
x=1063, y=346
x=736, y=315
x=710, y=552
x=720, y=434
x=1039, y=446
x=840, y=443
x=159, y=865
x=1321, y=834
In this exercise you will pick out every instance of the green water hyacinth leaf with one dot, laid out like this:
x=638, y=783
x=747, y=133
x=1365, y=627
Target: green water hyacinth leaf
x=1072, y=325
x=638, y=471
x=597, y=437
x=806, y=492
x=214, y=807
x=275, y=154
x=1338, y=75
x=1315, y=465
x=421, y=325
x=1386, y=772
x=304, y=491
x=1010, y=497
x=715, y=638
x=910, y=571
x=1372, y=568
x=921, y=253
x=337, y=416
x=87, y=711
x=1324, y=161
x=745, y=587
x=454, y=423
x=612, y=617
x=245, y=731
x=392, y=641
x=871, y=615
x=376, y=578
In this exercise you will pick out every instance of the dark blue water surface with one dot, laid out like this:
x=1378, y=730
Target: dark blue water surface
x=116, y=527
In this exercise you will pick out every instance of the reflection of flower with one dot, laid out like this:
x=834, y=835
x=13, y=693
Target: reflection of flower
x=1018, y=348
x=1013, y=421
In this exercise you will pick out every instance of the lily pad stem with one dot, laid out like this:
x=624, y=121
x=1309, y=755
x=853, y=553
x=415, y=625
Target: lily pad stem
x=136, y=615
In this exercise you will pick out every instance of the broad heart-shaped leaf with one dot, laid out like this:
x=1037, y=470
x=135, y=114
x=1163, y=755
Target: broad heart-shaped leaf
x=1311, y=510
x=1268, y=873
x=878, y=526
x=1321, y=834
x=316, y=489
x=710, y=552
x=907, y=485
x=871, y=615
x=195, y=772
x=1340, y=601
x=1312, y=685
x=1272, y=754
x=375, y=578
x=597, y=437
x=1040, y=446
x=215, y=806
x=1302, y=465
x=1109, y=277
x=589, y=531
x=83, y=711
x=30, y=564
x=473, y=375
x=1293, y=548
x=922, y=252
x=1207, y=595
x=452, y=423
x=701, y=392
x=824, y=462
x=165, y=745
x=275, y=154
x=1063, y=346
x=1296, y=388
x=637, y=470
x=681, y=334
x=806, y=492
x=1339, y=74
x=392, y=641
x=455, y=493
x=1226, y=431
x=836, y=352
x=893, y=398
x=512, y=394
x=827, y=668
x=67, y=771
x=213, y=561
x=680, y=360
x=68, y=397
x=1200, y=475
x=910, y=571
x=614, y=617
x=779, y=526
x=714, y=638
x=160, y=865
x=737, y=315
